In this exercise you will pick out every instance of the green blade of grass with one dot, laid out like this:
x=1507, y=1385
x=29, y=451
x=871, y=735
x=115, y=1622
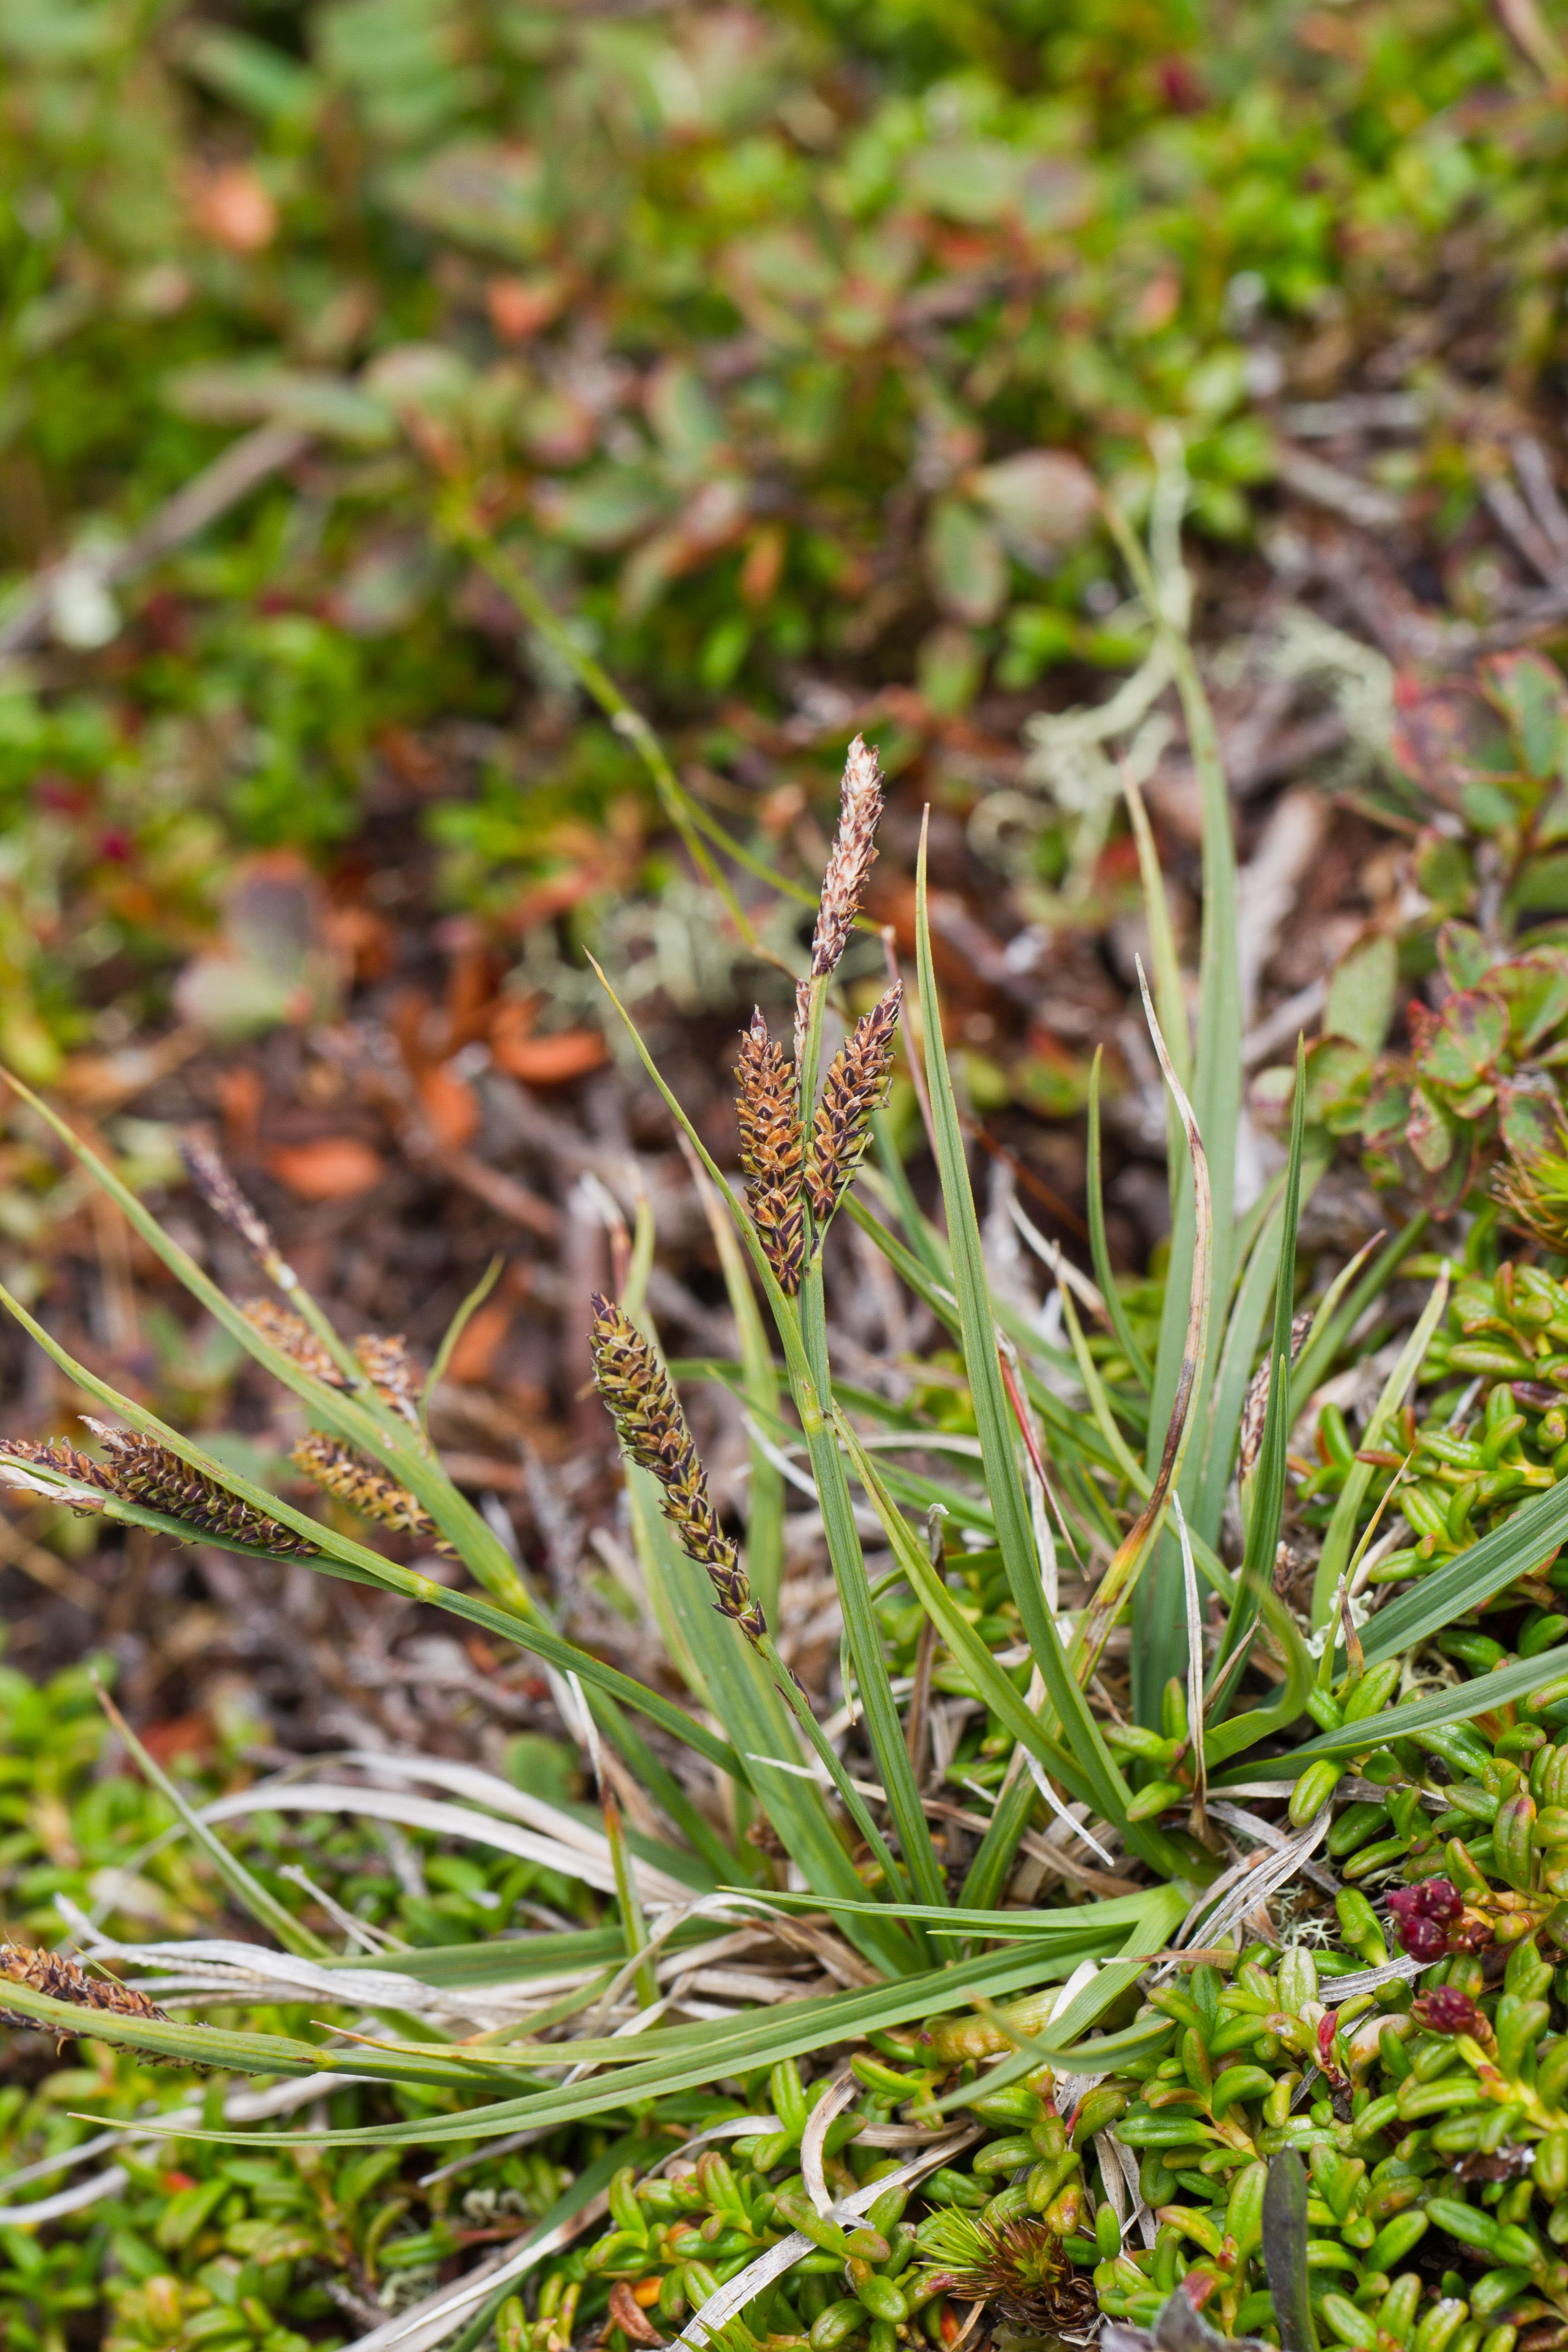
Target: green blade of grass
x=1159, y=1637
x=1269, y=1480
x=1531, y=1535
x=1099, y=1250
x=1413, y=1715
x=1334, y=1323
x=339, y=1556
x=248, y=1891
x=688, y=2057
x=1340, y=1535
x=1015, y=1533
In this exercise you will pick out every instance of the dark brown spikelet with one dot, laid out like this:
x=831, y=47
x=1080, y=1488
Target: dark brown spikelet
x=68, y=1981
x=362, y=1485
x=849, y=861
x=209, y=1173
x=771, y=1152
x=292, y=1336
x=143, y=1471
x=388, y=1367
x=653, y=1431
x=54, y=1453
x=856, y=1083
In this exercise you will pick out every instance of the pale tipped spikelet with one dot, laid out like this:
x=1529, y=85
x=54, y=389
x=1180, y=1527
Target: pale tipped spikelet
x=292, y=1336
x=771, y=1152
x=856, y=1083
x=653, y=1431
x=389, y=1369
x=209, y=1173
x=853, y=847
x=362, y=1485
x=62, y=1980
x=140, y=1470
x=55, y=1455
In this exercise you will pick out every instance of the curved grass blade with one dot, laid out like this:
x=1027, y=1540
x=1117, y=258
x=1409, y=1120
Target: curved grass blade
x=1284, y=2235
x=1341, y=1536
x=1268, y=1482
x=1124, y=1575
x=1004, y=1483
x=1099, y=1250
x=454, y=1332
x=1417, y=1715
x=339, y=1556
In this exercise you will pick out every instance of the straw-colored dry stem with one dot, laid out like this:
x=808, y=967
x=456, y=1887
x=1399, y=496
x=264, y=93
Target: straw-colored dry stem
x=853, y=847
x=771, y=1152
x=209, y=1173
x=362, y=1485
x=140, y=1470
x=653, y=1431
x=856, y=1083
x=62, y=1980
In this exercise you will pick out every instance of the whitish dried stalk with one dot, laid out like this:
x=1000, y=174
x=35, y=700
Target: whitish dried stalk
x=854, y=1086
x=362, y=1485
x=853, y=847
x=771, y=1152
x=654, y=1433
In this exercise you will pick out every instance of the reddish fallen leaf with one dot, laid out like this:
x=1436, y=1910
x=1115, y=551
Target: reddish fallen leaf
x=450, y=1105
x=178, y=1734
x=336, y=1167
x=628, y=2315
x=549, y=1061
x=480, y=1344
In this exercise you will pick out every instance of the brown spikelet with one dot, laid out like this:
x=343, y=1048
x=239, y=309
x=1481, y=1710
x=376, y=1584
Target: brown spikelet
x=1255, y=1403
x=771, y=1152
x=292, y=1336
x=362, y=1485
x=389, y=1369
x=142, y=1471
x=68, y=1981
x=856, y=1083
x=54, y=1453
x=653, y=1431
x=1019, y=2263
x=209, y=1173
x=849, y=861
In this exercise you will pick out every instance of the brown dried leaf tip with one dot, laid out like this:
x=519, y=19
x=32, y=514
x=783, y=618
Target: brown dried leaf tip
x=853, y=847
x=771, y=1152
x=68, y=1981
x=654, y=1434
x=142, y=1471
x=856, y=1083
x=363, y=1486
x=208, y=1171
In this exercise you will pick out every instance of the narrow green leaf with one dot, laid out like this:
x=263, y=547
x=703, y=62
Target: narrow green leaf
x=1522, y=1542
x=1015, y=1533
x=1099, y=1250
x=1268, y=1476
x=1456, y=1705
x=247, y=1890
x=454, y=1332
x=1334, y=1323
x=1340, y=1533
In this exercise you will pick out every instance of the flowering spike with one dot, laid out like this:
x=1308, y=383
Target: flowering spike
x=771, y=1152
x=856, y=1083
x=849, y=861
x=654, y=1434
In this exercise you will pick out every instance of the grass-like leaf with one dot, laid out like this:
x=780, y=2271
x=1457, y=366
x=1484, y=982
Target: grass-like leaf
x=1340, y=1535
x=1456, y=1705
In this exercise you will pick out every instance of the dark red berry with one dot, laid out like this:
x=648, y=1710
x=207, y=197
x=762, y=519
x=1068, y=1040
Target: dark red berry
x=1445, y=2009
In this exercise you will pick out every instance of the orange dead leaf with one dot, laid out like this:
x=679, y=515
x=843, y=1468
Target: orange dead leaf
x=551, y=1061
x=450, y=1105
x=519, y=306
x=480, y=1344
x=336, y=1167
